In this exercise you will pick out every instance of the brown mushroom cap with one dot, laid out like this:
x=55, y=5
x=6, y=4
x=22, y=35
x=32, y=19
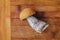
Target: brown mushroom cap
x=26, y=13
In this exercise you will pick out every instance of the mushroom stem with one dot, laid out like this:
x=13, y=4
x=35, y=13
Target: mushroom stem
x=37, y=25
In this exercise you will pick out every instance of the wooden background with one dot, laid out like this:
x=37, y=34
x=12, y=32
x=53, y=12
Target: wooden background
x=21, y=29
x=5, y=31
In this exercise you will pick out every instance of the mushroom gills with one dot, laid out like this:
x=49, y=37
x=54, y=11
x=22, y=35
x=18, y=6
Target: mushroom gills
x=37, y=25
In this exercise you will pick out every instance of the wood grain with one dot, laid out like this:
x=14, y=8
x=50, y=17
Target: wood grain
x=5, y=31
x=21, y=29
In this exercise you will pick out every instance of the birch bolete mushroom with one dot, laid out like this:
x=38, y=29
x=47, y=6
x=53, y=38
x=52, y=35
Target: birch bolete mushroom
x=26, y=13
x=36, y=24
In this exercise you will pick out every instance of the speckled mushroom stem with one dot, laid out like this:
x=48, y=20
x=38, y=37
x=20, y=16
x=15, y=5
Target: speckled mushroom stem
x=37, y=25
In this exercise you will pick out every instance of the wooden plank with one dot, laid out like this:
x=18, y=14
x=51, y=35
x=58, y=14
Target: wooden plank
x=38, y=2
x=2, y=21
x=21, y=29
x=5, y=20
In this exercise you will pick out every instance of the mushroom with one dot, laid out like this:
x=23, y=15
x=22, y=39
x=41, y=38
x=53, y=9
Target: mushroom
x=26, y=13
x=36, y=24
